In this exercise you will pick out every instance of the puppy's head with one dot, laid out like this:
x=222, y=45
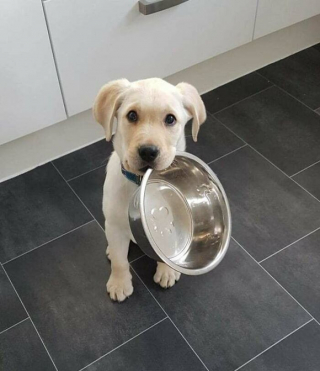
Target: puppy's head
x=151, y=115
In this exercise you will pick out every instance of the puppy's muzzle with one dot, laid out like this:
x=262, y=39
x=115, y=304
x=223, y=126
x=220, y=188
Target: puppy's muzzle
x=148, y=153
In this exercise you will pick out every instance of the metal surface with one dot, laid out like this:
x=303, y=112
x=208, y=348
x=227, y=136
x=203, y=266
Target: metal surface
x=181, y=216
x=150, y=7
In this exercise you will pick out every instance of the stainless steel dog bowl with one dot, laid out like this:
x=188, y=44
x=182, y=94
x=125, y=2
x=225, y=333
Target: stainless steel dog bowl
x=181, y=216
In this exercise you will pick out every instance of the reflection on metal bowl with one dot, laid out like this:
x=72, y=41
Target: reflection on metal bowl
x=181, y=216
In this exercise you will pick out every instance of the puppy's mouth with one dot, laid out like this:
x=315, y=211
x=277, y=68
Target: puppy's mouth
x=144, y=169
x=155, y=166
x=138, y=171
x=140, y=167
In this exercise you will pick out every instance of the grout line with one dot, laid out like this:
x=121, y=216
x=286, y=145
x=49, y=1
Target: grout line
x=261, y=76
x=291, y=176
x=255, y=20
x=78, y=197
x=55, y=157
x=227, y=154
x=298, y=100
x=54, y=59
x=287, y=246
x=292, y=332
x=139, y=257
x=170, y=320
x=231, y=131
x=242, y=100
x=30, y=319
x=87, y=172
x=292, y=243
x=275, y=280
x=299, y=185
x=260, y=154
x=56, y=238
x=18, y=323
x=284, y=91
x=119, y=346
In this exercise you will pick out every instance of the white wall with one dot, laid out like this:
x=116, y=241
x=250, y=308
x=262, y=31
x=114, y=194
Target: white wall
x=78, y=131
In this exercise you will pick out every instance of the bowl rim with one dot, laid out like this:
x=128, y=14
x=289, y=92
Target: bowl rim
x=170, y=263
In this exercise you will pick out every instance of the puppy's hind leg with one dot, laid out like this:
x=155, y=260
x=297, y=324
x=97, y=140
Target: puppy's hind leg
x=119, y=285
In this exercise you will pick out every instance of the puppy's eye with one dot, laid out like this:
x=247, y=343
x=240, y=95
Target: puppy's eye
x=170, y=120
x=132, y=116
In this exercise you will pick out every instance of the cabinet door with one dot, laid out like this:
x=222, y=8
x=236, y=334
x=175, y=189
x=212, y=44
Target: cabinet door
x=273, y=15
x=30, y=97
x=96, y=41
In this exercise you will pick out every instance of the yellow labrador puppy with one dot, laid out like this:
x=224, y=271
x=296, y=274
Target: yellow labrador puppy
x=151, y=115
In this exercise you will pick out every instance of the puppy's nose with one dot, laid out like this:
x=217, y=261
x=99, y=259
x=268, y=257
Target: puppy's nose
x=148, y=153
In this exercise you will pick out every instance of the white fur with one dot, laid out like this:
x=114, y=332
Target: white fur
x=117, y=193
x=152, y=99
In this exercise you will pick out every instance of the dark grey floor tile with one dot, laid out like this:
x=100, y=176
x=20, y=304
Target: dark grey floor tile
x=85, y=159
x=279, y=127
x=317, y=47
x=230, y=314
x=159, y=349
x=89, y=187
x=297, y=269
x=11, y=310
x=214, y=141
x=63, y=288
x=318, y=111
x=34, y=208
x=299, y=351
x=234, y=91
x=299, y=75
x=310, y=179
x=269, y=211
x=22, y=350
x=188, y=128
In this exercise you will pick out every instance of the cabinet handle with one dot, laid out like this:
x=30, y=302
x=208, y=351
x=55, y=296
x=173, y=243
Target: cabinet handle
x=148, y=7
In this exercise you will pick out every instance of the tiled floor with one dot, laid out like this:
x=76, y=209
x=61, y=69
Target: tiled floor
x=258, y=311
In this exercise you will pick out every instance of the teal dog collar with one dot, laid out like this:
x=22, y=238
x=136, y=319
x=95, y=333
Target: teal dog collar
x=134, y=178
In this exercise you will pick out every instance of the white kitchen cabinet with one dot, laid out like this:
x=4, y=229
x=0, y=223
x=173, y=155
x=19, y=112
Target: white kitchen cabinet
x=96, y=41
x=30, y=97
x=272, y=15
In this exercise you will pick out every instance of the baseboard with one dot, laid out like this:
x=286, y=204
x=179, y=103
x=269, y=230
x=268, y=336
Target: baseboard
x=78, y=131
x=238, y=62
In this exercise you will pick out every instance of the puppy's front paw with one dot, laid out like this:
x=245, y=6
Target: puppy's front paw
x=120, y=287
x=166, y=276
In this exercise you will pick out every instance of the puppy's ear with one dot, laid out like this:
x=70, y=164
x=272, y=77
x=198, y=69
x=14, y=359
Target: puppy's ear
x=108, y=102
x=194, y=105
